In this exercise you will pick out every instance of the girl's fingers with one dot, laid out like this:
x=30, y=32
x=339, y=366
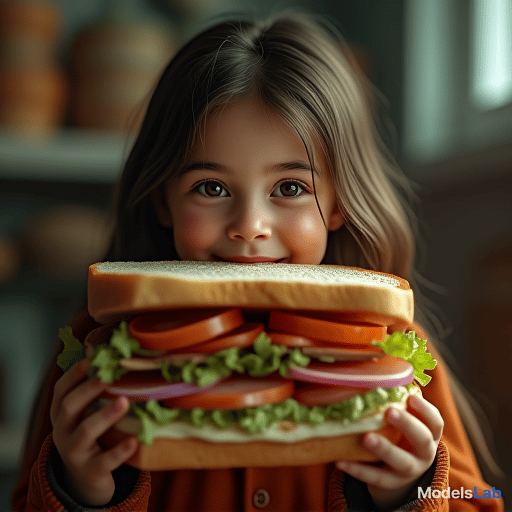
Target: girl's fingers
x=76, y=401
x=400, y=461
x=429, y=414
x=416, y=432
x=401, y=466
x=95, y=425
x=65, y=384
x=371, y=475
x=117, y=455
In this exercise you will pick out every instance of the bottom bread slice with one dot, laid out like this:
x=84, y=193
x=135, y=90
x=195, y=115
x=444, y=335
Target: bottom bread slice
x=169, y=454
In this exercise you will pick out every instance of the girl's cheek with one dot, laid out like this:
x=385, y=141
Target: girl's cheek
x=194, y=232
x=306, y=237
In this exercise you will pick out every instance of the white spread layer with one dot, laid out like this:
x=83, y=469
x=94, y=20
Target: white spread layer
x=225, y=271
x=277, y=432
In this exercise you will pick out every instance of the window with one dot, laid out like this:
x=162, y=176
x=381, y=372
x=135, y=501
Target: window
x=458, y=86
x=491, y=53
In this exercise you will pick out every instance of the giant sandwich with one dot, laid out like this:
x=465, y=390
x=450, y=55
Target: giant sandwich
x=236, y=365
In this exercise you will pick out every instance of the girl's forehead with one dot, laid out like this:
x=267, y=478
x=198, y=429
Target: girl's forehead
x=241, y=110
x=248, y=115
x=246, y=123
x=250, y=135
x=249, y=120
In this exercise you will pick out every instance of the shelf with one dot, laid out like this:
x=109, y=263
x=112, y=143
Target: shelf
x=72, y=155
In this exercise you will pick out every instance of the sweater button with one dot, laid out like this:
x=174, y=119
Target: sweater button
x=261, y=498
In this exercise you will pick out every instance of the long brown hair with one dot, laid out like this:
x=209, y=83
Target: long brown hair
x=301, y=67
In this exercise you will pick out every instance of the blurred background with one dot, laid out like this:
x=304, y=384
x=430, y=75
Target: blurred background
x=74, y=78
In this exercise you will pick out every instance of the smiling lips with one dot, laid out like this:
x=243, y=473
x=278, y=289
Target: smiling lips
x=253, y=259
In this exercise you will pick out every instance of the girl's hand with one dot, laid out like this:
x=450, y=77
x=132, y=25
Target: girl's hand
x=88, y=469
x=390, y=483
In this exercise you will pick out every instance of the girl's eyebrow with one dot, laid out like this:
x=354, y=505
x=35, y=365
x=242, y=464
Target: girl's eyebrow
x=281, y=167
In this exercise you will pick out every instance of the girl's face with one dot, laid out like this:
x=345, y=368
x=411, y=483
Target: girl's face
x=247, y=194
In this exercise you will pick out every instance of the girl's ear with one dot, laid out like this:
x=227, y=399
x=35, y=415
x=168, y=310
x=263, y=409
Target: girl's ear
x=336, y=219
x=162, y=210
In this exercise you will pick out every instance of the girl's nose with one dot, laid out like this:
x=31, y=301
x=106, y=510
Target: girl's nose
x=249, y=223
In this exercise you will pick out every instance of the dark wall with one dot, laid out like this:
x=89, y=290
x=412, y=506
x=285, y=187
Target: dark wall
x=377, y=26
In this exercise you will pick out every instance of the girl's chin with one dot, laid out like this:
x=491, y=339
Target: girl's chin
x=214, y=257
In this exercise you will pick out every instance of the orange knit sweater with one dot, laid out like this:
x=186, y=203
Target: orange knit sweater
x=311, y=488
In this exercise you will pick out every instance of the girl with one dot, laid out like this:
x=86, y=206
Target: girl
x=258, y=144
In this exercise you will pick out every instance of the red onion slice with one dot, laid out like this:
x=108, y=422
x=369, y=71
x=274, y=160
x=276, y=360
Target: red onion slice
x=388, y=371
x=142, y=393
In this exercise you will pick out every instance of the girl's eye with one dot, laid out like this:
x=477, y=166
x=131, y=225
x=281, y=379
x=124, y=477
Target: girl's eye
x=211, y=188
x=290, y=188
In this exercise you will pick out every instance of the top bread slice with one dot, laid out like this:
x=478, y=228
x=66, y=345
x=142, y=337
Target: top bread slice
x=117, y=290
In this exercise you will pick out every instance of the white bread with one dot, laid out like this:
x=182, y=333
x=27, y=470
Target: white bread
x=118, y=289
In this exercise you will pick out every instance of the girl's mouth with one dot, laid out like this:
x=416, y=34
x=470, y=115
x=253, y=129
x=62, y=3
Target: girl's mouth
x=250, y=259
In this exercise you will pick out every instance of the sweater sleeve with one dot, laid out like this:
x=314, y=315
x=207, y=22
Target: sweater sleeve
x=125, y=478
x=44, y=493
x=348, y=494
x=457, y=484
x=40, y=423
x=33, y=491
x=464, y=472
x=438, y=496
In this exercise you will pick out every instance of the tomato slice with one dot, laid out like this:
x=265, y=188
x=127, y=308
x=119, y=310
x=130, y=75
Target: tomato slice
x=171, y=330
x=326, y=330
x=237, y=393
x=325, y=394
x=241, y=337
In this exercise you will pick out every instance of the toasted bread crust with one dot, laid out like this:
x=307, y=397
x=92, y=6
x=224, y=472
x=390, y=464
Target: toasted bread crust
x=388, y=300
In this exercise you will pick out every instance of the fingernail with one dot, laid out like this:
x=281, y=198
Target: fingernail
x=414, y=401
x=129, y=444
x=393, y=414
x=342, y=465
x=120, y=403
x=371, y=441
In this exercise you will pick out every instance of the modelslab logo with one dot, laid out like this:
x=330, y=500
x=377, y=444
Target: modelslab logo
x=458, y=493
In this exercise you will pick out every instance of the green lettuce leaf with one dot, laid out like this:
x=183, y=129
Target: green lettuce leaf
x=105, y=359
x=104, y=363
x=260, y=418
x=159, y=413
x=73, y=350
x=147, y=431
x=263, y=358
x=123, y=342
x=413, y=349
